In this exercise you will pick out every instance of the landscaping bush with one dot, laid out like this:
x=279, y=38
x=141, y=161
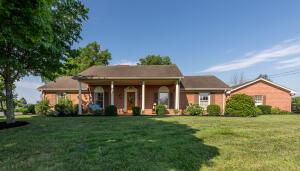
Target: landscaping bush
x=266, y=109
x=240, y=105
x=98, y=112
x=30, y=109
x=194, y=109
x=258, y=111
x=136, y=111
x=213, y=110
x=277, y=111
x=64, y=107
x=42, y=107
x=75, y=109
x=111, y=110
x=160, y=109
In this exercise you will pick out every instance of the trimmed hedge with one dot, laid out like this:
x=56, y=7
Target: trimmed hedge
x=266, y=109
x=240, y=105
x=258, y=111
x=194, y=109
x=277, y=111
x=213, y=110
x=136, y=111
x=111, y=110
x=160, y=109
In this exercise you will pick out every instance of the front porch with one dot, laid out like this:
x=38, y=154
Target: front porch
x=129, y=93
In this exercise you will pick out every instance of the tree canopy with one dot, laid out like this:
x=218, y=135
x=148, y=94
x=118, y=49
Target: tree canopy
x=155, y=60
x=84, y=58
x=36, y=38
x=264, y=76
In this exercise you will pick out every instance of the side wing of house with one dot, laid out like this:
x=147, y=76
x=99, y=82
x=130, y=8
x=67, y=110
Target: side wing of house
x=265, y=92
x=203, y=90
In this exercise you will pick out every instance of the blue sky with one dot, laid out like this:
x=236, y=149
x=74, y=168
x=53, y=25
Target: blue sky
x=201, y=36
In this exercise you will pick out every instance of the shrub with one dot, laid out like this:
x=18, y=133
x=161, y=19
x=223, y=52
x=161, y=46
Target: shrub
x=258, y=111
x=265, y=109
x=160, y=109
x=30, y=109
x=98, y=112
x=42, y=107
x=136, y=111
x=277, y=111
x=75, y=109
x=111, y=110
x=213, y=110
x=194, y=109
x=240, y=105
x=64, y=107
x=176, y=111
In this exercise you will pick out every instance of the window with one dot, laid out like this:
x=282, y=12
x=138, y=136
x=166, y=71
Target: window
x=99, y=96
x=61, y=95
x=163, y=97
x=204, y=100
x=258, y=100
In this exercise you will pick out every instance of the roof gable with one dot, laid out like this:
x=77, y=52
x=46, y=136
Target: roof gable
x=248, y=83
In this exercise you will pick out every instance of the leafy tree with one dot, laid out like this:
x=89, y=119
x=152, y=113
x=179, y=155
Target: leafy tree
x=36, y=38
x=86, y=57
x=296, y=101
x=155, y=60
x=264, y=76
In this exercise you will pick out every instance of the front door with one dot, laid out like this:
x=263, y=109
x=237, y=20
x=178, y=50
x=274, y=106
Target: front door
x=130, y=101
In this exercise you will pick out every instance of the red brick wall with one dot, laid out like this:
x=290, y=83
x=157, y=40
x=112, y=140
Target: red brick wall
x=73, y=96
x=187, y=98
x=275, y=96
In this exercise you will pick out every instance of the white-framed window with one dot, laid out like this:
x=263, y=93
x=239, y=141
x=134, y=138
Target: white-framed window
x=163, y=96
x=258, y=100
x=99, y=96
x=60, y=95
x=204, y=100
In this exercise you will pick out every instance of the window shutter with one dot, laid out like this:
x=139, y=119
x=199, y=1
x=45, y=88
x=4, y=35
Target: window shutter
x=171, y=101
x=155, y=98
x=106, y=101
x=196, y=98
x=264, y=100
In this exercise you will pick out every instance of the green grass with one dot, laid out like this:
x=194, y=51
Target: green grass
x=152, y=143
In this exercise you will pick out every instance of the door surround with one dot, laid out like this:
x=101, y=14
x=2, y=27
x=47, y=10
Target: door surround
x=130, y=89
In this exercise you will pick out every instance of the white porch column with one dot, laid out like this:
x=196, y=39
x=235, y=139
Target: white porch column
x=143, y=96
x=79, y=98
x=177, y=96
x=112, y=101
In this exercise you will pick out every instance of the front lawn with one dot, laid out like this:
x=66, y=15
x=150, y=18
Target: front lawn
x=152, y=143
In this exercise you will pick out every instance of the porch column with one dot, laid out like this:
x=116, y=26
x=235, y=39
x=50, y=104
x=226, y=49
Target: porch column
x=79, y=98
x=143, y=96
x=177, y=96
x=112, y=102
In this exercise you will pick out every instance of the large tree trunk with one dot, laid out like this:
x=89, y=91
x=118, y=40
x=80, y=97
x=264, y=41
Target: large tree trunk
x=10, y=115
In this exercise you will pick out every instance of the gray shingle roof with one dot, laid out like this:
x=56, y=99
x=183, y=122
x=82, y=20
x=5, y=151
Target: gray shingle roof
x=203, y=82
x=63, y=83
x=130, y=71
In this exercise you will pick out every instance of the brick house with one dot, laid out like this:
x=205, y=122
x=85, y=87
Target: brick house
x=147, y=85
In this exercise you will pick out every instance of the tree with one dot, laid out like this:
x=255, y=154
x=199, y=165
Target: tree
x=237, y=78
x=86, y=57
x=264, y=76
x=155, y=60
x=296, y=102
x=36, y=38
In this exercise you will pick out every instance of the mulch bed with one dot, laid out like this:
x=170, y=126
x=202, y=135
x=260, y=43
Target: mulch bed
x=4, y=125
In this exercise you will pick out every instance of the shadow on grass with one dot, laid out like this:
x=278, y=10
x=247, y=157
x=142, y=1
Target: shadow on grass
x=108, y=143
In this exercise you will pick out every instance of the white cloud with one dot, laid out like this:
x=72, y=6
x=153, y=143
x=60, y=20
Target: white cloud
x=284, y=49
x=28, y=84
x=291, y=63
x=125, y=62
